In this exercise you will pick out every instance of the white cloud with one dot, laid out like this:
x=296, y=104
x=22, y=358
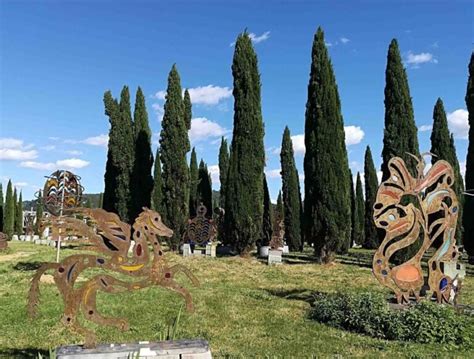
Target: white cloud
x=100, y=140
x=70, y=163
x=424, y=128
x=354, y=135
x=344, y=40
x=298, y=144
x=20, y=184
x=458, y=124
x=202, y=128
x=421, y=58
x=214, y=171
x=48, y=147
x=462, y=168
x=328, y=44
x=6, y=142
x=255, y=38
x=159, y=111
x=203, y=95
x=38, y=165
x=209, y=95
x=273, y=173
x=11, y=154
x=74, y=152
x=160, y=95
x=13, y=149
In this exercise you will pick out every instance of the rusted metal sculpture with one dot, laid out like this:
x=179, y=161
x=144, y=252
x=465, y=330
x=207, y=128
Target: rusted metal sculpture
x=3, y=241
x=62, y=190
x=200, y=230
x=278, y=233
x=29, y=224
x=111, y=240
x=431, y=213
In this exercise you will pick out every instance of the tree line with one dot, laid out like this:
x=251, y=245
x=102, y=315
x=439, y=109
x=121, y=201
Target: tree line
x=335, y=212
x=11, y=211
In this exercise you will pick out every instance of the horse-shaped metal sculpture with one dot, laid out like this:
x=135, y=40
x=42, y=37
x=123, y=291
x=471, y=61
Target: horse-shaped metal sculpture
x=111, y=240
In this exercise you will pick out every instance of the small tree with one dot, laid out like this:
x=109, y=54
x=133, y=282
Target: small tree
x=204, y=188
x=223, y=169
x=371, y=239
x=9, y=213
x=39, y=213
x=359, y=235
x=280, y=210
x=193, y=184
x=291, y=194
x=157, y=194
x=267, y=227
x=19, y=215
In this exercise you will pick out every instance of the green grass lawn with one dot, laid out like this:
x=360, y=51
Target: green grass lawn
x=244, y=308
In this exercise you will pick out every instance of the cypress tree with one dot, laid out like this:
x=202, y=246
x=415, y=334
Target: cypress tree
x=267, y=226
x=119, y=155
x=327, y=194
x=101, y=200
x=279, y=211
x=223, y=169
x=19, y=215
x=353, y=211
x=442, y=145
x=15, y=208
x=193, y=184
x=204, y=188
x=174, y=144
x=400, y=133
x=359, y=218
x=469, y=200
x=291, y=194
x=39, y=213
x=188, y=109
x=244, y=190
x=2, y=204
x=371, y=239
x=9, y=211
x=157, y=194
x=141, y=180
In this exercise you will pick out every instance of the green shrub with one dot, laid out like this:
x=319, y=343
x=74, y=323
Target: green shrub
x=369, y=314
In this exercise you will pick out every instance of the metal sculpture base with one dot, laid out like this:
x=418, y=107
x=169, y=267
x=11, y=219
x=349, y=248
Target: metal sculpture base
x=179, y=349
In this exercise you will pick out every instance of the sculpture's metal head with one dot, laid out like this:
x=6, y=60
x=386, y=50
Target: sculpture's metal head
x=153, y=219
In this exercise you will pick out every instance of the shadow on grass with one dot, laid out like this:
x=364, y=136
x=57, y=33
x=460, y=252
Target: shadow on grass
x=23, y=353
x=27, y=266
x=305, y=295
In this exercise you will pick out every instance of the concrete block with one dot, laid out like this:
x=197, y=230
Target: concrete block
x=187, y=250
x=274, y=256
x=173, y=349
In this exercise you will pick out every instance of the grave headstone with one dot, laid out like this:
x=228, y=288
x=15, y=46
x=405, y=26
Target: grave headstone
x=274, y=256
x=15, y=237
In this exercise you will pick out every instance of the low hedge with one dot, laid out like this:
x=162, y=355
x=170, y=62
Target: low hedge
x=370, y=314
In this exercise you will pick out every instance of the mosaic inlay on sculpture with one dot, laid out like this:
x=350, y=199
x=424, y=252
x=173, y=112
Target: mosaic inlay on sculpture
x=431, y=213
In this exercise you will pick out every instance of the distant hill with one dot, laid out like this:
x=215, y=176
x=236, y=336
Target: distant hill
x=88, y=200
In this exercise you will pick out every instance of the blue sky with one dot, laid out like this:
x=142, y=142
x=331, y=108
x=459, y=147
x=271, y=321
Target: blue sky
x=58, y=58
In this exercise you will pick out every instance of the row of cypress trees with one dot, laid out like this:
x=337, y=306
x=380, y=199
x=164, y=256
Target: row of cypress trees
x=333, y=214
x=11, y=211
